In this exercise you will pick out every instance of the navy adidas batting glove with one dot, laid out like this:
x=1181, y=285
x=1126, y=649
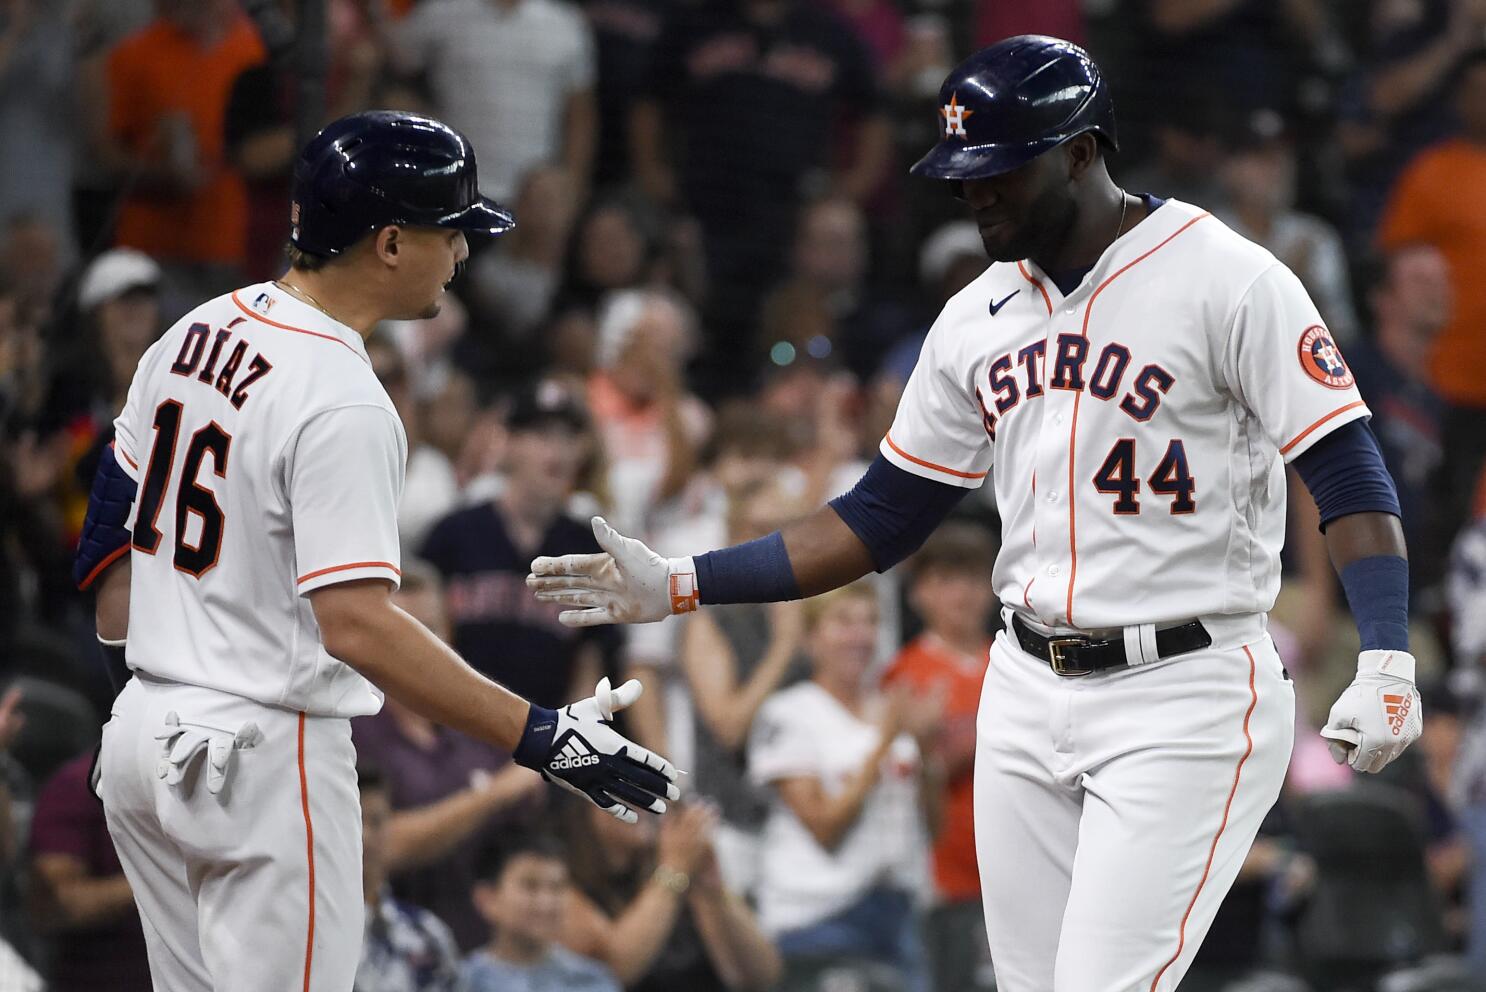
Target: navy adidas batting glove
x=578, y=748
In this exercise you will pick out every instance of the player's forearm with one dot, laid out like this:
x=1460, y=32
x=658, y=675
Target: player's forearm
x=404, y=659
x=824, y=553
x=1364, y=535
x=111, y=608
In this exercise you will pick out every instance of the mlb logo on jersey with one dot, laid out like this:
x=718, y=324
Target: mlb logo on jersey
x=954, y=117
x=1322, y=359
x=263, y=303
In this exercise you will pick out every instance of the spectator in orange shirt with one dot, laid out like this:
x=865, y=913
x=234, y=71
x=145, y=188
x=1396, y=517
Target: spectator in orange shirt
x=950, y=590
x=1441, y=200
x=168, y=86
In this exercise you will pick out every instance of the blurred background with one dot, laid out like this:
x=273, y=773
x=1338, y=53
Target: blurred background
x=718, y=287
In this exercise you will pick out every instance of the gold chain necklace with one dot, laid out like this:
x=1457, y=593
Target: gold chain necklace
x=306, y=297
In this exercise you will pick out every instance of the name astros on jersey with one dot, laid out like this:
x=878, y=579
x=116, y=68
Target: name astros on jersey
x=269, y=461
x=1135, y=430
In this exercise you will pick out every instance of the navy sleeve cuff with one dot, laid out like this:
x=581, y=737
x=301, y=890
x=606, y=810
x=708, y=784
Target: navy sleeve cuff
x=1345, y=474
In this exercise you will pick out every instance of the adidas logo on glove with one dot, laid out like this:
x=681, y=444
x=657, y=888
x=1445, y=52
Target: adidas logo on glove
x=573, y=761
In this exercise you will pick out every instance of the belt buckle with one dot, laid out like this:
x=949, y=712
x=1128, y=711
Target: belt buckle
x=1055, y=648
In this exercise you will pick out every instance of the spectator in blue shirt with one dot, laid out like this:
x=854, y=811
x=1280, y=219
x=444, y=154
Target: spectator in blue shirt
x=523, y=896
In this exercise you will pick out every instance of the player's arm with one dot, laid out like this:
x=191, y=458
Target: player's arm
x=1379, y=714
x=885, y=517
x=342, y=475
x=101, y=561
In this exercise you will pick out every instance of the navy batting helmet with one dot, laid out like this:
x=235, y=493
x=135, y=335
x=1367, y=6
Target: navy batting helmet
x=385, y=167
x=1009, y=103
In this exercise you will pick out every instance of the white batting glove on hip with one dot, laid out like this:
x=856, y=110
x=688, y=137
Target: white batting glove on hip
x=1378, y=715
x=577, y=748
x=628, y=583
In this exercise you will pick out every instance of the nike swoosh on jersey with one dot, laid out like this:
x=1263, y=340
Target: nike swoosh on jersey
x=996, y=307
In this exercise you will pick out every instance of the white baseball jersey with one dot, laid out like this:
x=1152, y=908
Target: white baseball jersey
x=1136, y=429
x=270, y=463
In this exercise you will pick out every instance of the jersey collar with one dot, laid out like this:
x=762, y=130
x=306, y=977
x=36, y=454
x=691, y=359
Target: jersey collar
x=1157, y=226
x=270, y=304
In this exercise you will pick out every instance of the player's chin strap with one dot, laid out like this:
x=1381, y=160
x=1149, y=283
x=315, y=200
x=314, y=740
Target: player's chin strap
x=1140, y=644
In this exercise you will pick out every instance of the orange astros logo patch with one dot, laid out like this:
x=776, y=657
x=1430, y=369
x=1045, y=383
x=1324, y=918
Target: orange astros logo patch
x=1322, y=359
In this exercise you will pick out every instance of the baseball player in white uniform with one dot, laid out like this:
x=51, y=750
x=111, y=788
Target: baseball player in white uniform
x=1133, y=376
x=269, y=461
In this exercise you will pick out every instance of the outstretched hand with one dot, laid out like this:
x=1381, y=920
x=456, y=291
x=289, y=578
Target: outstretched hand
x=627, y=583
x=577, y=748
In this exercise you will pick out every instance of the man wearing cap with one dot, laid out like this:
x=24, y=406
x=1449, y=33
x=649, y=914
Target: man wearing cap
x=263, y=551
x=482, y=552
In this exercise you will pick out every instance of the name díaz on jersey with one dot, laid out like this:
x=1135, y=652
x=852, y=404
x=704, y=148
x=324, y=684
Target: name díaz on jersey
x=225, y=379
x=1019, y=375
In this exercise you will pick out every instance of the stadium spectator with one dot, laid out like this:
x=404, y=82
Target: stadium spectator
x=32, y=262
x=406, y=949
x=118, y=301
x=650, y=425
x=612, y=247
x=829, y=278
x=79, y=896
x=1449, y=848
x=259, y=126
x=1397, y=101
x=168, y=87
x=1465, y=589
x=98, y=25
x=624, y=34
x=431, y=488
x=734, y=658
x=649, y=902
x=1441, y=200
x=997, y=19
x=523, y=895
x=1259, y=178
x=844, y=859
x=451, y=795
x=752, y=92
x=483, y=552
x=36, y=93
x=512, y=285
x=1187, y=156
x=1410, y=304
x=950, y=591
x=516, y=76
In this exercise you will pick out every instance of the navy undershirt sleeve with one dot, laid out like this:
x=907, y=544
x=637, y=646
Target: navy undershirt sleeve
x=1345, y=474
x=893, y=512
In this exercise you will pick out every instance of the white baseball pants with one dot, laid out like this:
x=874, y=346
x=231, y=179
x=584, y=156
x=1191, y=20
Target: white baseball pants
x=255, y=887
x=1113, y=810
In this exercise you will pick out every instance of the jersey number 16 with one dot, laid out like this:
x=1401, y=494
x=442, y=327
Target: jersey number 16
x=191, y=497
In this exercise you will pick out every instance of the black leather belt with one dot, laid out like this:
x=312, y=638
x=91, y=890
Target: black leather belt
x=1070, y=656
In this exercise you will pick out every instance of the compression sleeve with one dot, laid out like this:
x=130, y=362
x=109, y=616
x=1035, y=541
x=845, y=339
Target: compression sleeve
x=1345, y=474
x=105, y=535
x=893, y=512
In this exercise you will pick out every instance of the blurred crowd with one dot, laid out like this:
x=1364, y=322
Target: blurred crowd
x=718, y=285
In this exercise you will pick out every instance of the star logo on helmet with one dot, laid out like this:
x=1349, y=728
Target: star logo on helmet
x=954, y=117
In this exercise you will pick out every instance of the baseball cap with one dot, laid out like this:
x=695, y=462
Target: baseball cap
x=547, y=402
x=115, y=273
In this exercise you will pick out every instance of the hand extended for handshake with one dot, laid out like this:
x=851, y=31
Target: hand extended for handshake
x=628, y=583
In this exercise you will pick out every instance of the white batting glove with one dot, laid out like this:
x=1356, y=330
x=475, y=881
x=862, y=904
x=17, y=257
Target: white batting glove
x=577, y=748
x=1378, y=715
x=629, y=583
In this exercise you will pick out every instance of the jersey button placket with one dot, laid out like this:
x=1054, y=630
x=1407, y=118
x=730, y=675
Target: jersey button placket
x=1049, y=596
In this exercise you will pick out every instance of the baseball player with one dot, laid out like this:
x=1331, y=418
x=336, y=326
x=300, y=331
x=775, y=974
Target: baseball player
x=1134, y=377
x=266, y=462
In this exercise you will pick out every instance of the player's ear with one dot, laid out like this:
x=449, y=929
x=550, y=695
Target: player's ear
x=1082, y=153
x=388, y=243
